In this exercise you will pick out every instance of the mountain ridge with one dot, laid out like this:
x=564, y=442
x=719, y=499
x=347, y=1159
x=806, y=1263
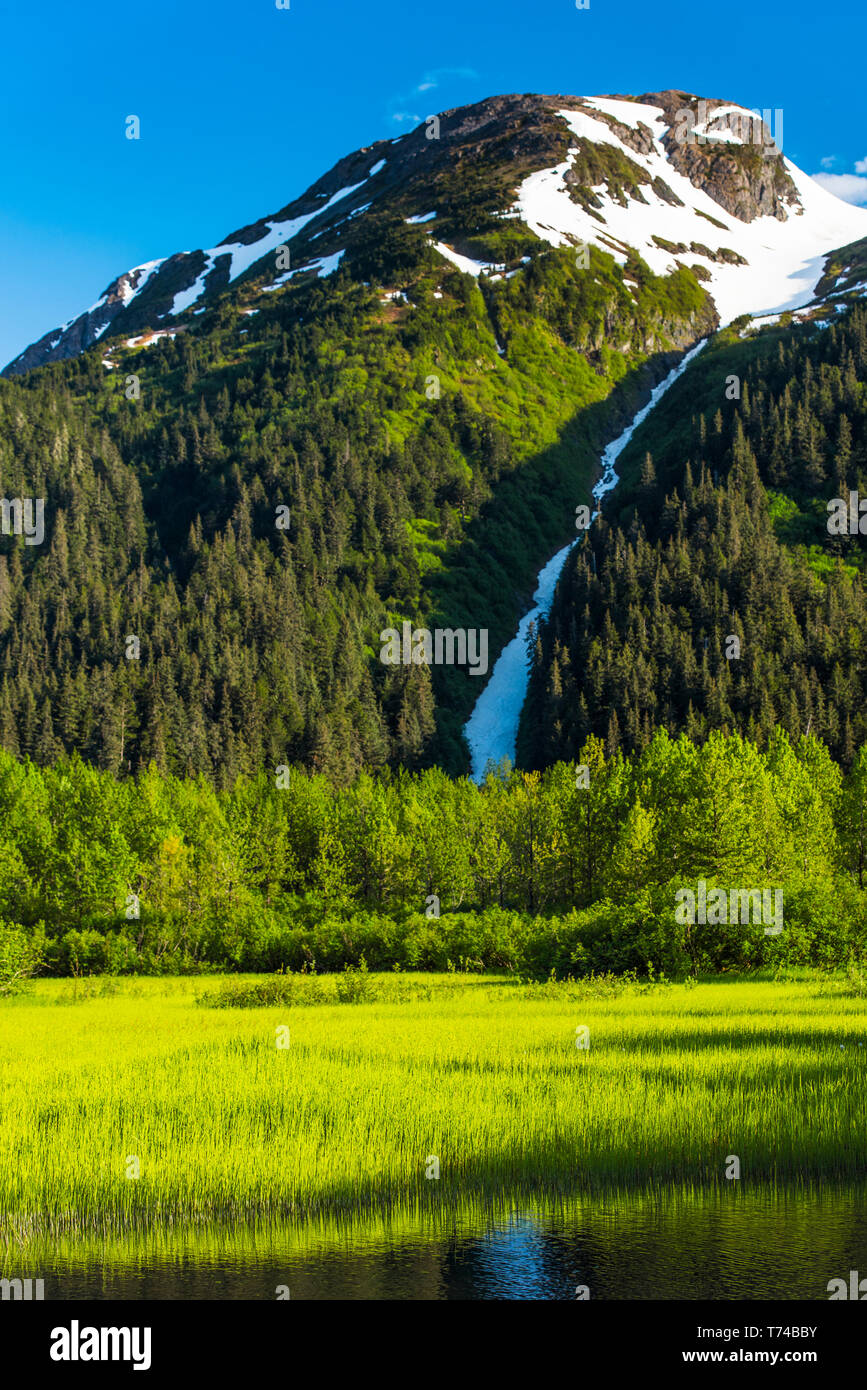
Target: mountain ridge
x=606, y=156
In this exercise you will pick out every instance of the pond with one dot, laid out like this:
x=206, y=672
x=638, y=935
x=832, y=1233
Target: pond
x=736, y=1243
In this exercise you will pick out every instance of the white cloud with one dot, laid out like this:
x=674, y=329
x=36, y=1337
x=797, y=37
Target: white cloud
x=850, y=187
x=828, y=161
x=429, y=82
x=433, y=79
x=861, y=165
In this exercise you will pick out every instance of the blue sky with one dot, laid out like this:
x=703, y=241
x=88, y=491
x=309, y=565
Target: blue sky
x=243, y=105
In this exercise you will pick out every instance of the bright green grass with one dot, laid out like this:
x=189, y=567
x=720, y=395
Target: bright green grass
x=485, y=1075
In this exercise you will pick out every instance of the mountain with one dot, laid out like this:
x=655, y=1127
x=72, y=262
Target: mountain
x=256, y=469
x=679, y=180
x=712, y=593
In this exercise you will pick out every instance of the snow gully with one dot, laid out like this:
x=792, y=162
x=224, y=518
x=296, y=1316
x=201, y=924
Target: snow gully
x=492, y=728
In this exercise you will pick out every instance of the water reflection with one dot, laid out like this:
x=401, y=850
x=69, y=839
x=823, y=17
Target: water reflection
x=733, y=1244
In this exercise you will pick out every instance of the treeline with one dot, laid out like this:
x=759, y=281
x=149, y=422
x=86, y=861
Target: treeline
x=573, y=869
x=721, y=533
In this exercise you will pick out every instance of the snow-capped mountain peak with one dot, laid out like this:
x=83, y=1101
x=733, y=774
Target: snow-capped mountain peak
x=765, y=265
x=670, y=178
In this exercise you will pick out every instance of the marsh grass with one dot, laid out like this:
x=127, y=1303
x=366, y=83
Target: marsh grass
x=481, y=1071
x=356, y=985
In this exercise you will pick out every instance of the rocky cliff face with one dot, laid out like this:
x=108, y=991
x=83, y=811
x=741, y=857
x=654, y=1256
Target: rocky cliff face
x=722, y=149
x=733, y=158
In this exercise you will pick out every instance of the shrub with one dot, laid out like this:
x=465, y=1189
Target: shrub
x=21, y=956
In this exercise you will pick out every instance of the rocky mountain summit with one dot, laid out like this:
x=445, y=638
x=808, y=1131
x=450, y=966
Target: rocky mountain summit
x=677, y=180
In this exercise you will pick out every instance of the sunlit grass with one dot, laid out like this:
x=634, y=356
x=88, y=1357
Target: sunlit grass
x=486, y=1077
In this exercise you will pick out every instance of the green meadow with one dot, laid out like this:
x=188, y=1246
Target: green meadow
x=334, y=1100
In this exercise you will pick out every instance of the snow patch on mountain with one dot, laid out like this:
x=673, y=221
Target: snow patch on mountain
x=628, y=113
x=150, y=336
x=464, y=263
x=784, y=259
x=243, y=256
x=323, y=265
x=128, y=285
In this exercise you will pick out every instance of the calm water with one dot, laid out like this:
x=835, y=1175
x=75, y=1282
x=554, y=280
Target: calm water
x=732, y=1245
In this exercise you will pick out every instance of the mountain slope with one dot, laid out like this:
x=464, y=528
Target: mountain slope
x=711, y=594
x=618, y=173
x=258, y=645
x=423, y=417
x=755, y=228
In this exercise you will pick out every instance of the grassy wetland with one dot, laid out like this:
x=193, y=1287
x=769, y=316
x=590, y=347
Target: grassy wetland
x=134, y=1102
